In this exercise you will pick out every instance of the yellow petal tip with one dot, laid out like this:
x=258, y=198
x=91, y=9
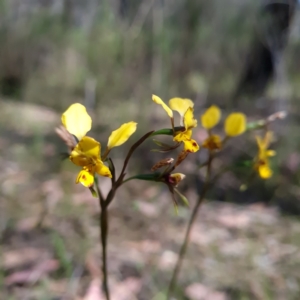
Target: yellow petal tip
x=159, y=101
x=121, y=135
x=211, y=117
x=76, y=120
x=235, y=124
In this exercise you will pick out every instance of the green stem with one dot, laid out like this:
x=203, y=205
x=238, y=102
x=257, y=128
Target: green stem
x=192, y=220
x=103, y=223
x=132, y=149
x=111, y=195
x=104, y=233
x=128, y=179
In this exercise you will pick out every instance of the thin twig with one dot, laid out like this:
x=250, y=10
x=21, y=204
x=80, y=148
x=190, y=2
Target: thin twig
x=189, y=229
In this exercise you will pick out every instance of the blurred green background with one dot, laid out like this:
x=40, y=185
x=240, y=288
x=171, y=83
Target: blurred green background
x=112, y=56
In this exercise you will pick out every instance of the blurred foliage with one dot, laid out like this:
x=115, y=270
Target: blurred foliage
x=166, y=47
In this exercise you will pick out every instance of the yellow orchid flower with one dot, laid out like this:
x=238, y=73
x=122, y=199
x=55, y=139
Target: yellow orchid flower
x=87, y=152
x=262, y=164
x=185, y=109
x=235, y=124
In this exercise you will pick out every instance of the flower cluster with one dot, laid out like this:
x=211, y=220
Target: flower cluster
x=87, y=151
x=235, y=124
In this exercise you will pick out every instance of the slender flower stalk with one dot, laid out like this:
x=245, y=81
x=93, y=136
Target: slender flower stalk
x=192, y=220
x=103, y=224
x=235, y=124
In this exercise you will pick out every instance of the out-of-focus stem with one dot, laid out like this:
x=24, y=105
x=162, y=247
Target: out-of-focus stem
x=189, y=229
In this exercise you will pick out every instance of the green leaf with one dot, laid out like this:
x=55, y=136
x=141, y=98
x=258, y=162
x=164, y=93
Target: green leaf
x=165, y=131
x=94, y=193
x=244, y=163
x=182, y=197
x=168, y=131
x=148, y=177
x=160, y=144
x=112, y=168
x=176, y=208
x=256, y=125
x=164, y=147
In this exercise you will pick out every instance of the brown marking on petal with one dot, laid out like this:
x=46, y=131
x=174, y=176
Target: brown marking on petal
x=83, y=177
x=262, y=162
